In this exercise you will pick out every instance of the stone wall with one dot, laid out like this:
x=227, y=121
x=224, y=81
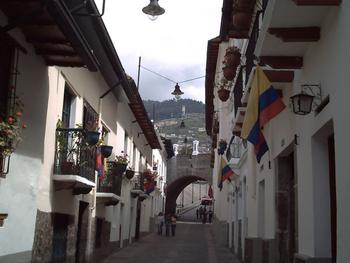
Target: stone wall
x=44, y=233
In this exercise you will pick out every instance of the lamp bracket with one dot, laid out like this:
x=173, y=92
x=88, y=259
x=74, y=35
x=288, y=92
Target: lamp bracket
x=314, y=90
x=84, y=4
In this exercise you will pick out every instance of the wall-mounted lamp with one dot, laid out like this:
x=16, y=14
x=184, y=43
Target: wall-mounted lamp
x=308, y=99
x=153, y=10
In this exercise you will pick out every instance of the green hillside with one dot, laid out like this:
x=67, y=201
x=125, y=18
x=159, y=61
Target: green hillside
x=171, y=108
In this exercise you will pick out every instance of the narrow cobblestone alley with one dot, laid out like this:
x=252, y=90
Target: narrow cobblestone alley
x=193, y=243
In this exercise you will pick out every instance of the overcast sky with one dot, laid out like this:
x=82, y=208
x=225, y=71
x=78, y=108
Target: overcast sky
x=174, y=45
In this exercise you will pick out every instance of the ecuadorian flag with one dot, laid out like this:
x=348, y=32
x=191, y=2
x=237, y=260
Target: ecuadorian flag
x=226, y=172
x=264, y=104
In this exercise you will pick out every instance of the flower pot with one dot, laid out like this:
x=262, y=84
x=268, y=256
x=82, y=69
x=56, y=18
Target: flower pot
x=242, y=20
x=232, y=59
x=244, y=5
x=224, y=94
x=229, y=72
x=106, y=150
x=129, y=174
x=119, y=168
x=67, y=167
x=92, y=137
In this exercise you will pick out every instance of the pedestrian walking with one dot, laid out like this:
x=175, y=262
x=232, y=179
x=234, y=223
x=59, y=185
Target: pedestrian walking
x=173, y=225
x=210, y=215
x=167, y=224
x=197, y=213
x=160, y=223
x=200, y=212
x=204, y=217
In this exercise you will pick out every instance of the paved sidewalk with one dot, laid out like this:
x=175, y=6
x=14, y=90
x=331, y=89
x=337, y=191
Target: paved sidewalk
x=193, y=243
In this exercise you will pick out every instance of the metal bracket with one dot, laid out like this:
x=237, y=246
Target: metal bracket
x=84, y=4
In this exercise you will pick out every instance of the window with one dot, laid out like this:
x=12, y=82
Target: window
x=90, y=118
x=67, y=104
x=8, y=74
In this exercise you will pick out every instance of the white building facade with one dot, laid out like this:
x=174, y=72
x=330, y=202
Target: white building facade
x=290, y=207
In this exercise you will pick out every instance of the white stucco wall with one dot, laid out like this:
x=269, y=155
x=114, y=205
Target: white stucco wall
x=18, y=191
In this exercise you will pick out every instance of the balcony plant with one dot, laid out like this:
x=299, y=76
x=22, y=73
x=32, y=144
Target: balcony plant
x=106, y=150
x=224, y=89
x=222, y=145
x=230, y=65
x=129, y=173
x=246, y=6
x=232, y=56
x=11, y=128
x=121, y=162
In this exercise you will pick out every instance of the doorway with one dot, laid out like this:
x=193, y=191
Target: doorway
x=138, y=219
x=333, y=197
x=82, y=234
x=286, y=210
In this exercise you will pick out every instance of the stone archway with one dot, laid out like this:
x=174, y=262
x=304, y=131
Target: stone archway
x=183, y=170
x=175, y=188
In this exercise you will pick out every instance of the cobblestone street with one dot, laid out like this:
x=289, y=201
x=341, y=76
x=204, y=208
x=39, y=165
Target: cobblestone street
x=193, y=243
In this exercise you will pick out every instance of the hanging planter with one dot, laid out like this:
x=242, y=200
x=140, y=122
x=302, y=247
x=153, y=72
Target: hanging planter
x=222, y=147
x=224, y=94
x=106, y=150
x=129, y=173
x=244, y=5
x=232, y=57
x=92, y=137
x=229, y=72
x=242, y=20
x=119, y=168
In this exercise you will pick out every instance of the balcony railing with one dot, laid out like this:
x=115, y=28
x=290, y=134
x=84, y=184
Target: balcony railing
x=250, y=56
x=111, y=182
x=73, y=155
x=238, y=91
x=138, y=181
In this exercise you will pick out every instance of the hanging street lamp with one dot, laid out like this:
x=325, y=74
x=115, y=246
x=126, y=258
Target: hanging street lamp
x=177, y=92
x=153, y=10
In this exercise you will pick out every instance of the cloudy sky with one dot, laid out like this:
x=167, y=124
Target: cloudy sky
x=174, y=45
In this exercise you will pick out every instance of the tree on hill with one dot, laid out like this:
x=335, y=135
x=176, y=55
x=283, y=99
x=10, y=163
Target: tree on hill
x=171, y=108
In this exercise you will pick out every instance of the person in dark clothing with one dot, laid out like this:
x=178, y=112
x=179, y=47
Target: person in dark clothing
x=204, y=217
x=210, y=216
x=173, y=225
x=197, y=213
x=167, y=224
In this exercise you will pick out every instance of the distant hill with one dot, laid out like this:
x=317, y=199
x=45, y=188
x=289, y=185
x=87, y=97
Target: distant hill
x=172, y=109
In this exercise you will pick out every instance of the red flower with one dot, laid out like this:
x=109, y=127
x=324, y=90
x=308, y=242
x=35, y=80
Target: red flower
x=10, y=120
x=24, y=126
x=19, y=114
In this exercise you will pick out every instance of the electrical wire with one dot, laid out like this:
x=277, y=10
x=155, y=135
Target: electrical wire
x=173, y=81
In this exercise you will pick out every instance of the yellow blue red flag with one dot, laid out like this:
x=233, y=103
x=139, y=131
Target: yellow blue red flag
x=226, y=172
x=264, y=104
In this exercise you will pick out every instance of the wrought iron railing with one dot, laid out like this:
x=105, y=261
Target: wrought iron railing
x=73, y=154
x=250, y=56
x=138, y=182
x=111, y=181
x=238, y=91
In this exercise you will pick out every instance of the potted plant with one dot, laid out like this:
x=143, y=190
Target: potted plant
x=224, y=89
x=71, y=145
x=222, y=146
x=121, y=162
x=246, y=6
x=129, y=173
x=232, y=56
x=92, y=137
x=106, y=150
x=10, y=129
